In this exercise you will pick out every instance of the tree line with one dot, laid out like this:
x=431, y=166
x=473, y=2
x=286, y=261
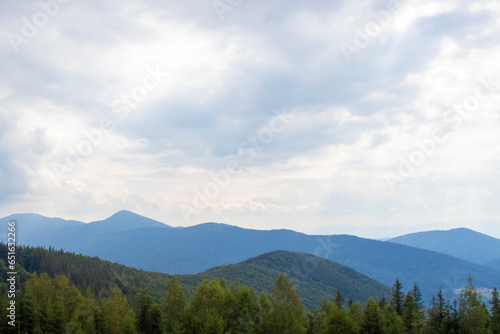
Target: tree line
x=54, y=305
x=77, y=294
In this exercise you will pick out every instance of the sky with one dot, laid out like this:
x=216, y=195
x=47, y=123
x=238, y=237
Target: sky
x=306, y=115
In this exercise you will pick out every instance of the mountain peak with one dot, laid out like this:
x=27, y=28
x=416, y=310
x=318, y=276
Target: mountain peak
x=125, y=220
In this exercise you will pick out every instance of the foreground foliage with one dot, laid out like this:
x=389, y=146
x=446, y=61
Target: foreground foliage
x=46, y=304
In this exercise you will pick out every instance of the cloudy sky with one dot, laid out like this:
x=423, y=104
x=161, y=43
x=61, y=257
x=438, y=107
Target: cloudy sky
x=262, y=114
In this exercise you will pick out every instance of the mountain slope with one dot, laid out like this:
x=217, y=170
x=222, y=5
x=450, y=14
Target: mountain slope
x=462, y=243
x=198, y=248
x=313, y=277
x=494, y=264
x=321, y=279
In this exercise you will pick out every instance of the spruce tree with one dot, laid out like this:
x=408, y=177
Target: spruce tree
x=398, y=296
x=411, y=315
x=338, y=299
x=372, y=319
x=438, y=315
x=495, y=312
x=417, y=297
x=144, y=321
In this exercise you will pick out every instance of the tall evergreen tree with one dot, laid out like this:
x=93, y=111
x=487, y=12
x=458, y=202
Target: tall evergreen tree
x=26, y=315
x=495, y=312
x=382, y=302
x=372, y=319
x=155, y=317
x=417, y=297
x=438, y=314
x=397, y=297
x=87, y=313
x=338, y=299
x=144, y=321
x=411, y=315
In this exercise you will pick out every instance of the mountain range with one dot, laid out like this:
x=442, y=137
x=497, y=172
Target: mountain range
x=148, y=244
x=313, y=277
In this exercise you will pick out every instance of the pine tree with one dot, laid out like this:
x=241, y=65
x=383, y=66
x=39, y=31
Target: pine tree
x=398, y=296
x=411, y=315
x=338, y=299
x=438, y=315
x=156, y=319
x=351, y=301
x=144, y=321
x=372, y=319
x=382, y=302
x=87, y=313
x=26, y=316
x=417, y=297
x=495, y=312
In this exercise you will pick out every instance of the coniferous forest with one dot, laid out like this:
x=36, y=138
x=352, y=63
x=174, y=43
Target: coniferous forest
x=81, y=301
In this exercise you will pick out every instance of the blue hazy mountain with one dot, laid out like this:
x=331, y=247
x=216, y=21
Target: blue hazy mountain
x=37, y=230
x=123, y=221
x=461, y=242
x=30, y=226
x=142, y=243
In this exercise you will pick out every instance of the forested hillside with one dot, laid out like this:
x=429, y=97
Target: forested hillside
x=315, y=277
x=46, y=304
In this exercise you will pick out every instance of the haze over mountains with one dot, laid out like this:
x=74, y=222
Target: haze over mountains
x=148, y=244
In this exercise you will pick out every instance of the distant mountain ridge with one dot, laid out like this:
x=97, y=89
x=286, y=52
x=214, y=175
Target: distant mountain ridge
x=462, y=243
x=197, y=248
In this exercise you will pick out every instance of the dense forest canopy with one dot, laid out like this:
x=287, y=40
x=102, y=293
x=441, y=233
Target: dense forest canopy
x=82, y=302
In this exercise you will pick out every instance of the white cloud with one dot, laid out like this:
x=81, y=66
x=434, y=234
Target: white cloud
x=354, y=122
